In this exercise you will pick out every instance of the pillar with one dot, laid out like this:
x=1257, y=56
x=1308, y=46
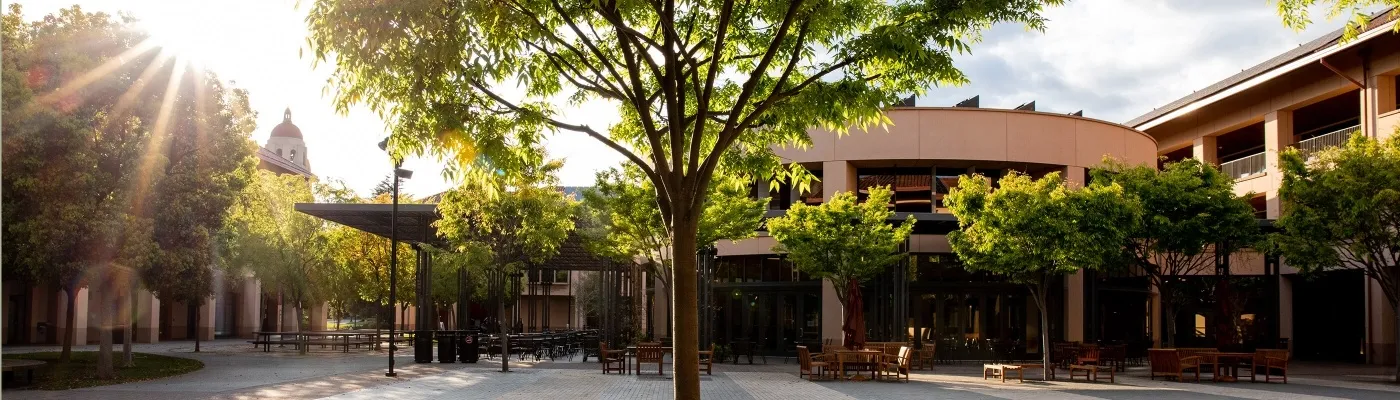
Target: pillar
x=249, y=310
x=147, y=318
x=837, y=176
x=1204, y=148
x=317, y=316
x=1155, y=322
x=1382, y=88
x=289, y=316
x=206, y=319
x=1074, y=177
x=1380, y=330
x=80, y=320
x=1074, y=307
x=1285, y=308
x=1278, y=135
x=661, y=310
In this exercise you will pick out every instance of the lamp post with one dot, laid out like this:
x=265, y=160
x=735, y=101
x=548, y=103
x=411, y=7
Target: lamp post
x=394, y=248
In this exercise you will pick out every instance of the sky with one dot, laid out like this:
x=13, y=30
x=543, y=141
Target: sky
x=1113, y=59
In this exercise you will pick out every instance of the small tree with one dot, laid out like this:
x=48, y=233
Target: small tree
x=1190, y=213
x=1341, y=210
x=518, y=221
x=622, y=221
x=842, y=240
x=1032, y=231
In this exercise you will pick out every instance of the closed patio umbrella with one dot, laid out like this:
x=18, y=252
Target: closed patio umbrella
x=855, y=317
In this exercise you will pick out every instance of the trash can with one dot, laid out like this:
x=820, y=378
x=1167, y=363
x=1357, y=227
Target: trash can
x=470, y=352
x=423, y=346
x=447, y=346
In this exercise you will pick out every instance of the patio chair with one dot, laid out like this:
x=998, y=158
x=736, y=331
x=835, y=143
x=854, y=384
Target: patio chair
x=927, y=356
x=707, y=359
x=1269, y=362
x=612, y=360
x=1170, y=363
x=648, y=353
x=1088, y=355
x=810, y=366
x=894, y=367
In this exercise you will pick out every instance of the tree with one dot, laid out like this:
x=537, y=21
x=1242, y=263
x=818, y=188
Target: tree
x=624, y=224
x=1295, y=13
x=146, y=170
x=1032, y=231
x=1340, y=210
x=518, y=221
x=68, y=197
x=1190, y=214
x=285, y=249
x=698, y=84
x=842, y=240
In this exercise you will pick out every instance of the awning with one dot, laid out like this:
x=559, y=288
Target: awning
x=415, y=221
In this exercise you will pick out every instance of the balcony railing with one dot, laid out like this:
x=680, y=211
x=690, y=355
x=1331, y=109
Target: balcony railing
x=1244, y=167
x=1325, y=141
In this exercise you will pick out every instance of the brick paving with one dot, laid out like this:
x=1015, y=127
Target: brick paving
x=234, y=371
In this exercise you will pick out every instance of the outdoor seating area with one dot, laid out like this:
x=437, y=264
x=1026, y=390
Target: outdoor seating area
x=1224, y=366
x=344, y=340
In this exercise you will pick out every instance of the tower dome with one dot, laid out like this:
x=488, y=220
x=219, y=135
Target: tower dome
x=286, y=128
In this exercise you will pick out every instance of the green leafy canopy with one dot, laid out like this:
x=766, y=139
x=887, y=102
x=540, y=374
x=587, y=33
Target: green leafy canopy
x=842, y=239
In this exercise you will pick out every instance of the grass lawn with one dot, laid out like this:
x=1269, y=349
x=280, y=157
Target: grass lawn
x=81, y=370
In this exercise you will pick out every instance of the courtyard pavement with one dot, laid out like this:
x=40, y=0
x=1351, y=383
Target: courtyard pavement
x=233, y=370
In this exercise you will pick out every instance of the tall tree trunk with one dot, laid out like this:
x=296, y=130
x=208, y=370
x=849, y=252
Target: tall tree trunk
x=130, y=335
x=1039, y=295
x=298, y=312
x=69, y=331
x=1168, y=317
x=686, y=327
x=106, y=311
x=501, y=330
x=197, y=306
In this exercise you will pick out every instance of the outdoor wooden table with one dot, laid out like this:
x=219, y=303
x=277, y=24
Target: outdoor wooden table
x=869, y=359
x=631, y=351
x=264, y=338
x=1230, y=372
x=335, y=338
x=28, y=366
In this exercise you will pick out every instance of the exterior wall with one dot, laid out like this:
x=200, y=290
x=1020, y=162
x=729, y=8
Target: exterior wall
x=978, y=134
x=1275, y=103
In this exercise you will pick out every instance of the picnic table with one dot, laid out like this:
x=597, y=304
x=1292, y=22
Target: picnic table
x=28, y=366
x=859, y=360
x=265, y=339
x=301, y=340
x=631, y=351
x=1226, y=364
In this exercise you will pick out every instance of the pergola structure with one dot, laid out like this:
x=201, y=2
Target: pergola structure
x=415, y=226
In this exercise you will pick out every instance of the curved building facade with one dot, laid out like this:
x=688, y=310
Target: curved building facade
x=755, y=295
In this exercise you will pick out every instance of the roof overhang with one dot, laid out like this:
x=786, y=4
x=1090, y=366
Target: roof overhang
x=414, y=222
x=1266, y=76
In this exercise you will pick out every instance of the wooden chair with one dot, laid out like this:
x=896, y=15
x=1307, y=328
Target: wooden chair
x=612, y=360
x=707, y=359
x=810, y=366
x=1207, y=364
x=1169, y=362
x=651, y=353
x=1115, y=356
x=1268, y=362
x=894, y=367
x=1088, y=355
x=926, y=356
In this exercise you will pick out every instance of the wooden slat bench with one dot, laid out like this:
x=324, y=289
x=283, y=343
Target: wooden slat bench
x=28, y=366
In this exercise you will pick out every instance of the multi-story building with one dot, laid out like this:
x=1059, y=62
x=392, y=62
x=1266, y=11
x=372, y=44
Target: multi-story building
x=1310, y=98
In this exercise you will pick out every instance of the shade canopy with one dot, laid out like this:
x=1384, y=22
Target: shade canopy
x=415, y=221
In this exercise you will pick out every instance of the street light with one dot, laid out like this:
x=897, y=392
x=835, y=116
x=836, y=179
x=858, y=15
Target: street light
x=399, y=173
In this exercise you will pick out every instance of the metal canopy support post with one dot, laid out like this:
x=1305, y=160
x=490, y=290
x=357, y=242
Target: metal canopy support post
x=706, y=268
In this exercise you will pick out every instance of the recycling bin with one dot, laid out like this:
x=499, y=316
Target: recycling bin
x=470, y=341
x=447, y=346
x=422, y=346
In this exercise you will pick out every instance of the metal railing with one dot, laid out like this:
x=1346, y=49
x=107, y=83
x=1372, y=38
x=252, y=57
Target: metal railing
x=1325, y=141
x=1244, y=167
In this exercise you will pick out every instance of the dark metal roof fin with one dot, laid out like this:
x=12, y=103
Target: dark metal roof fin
x=1079, y=113
x=972, y=102
x=1027, y=107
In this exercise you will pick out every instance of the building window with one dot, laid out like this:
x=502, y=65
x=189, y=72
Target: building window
x=946, y=179
x=913, y=191
x=813, y=195
x=279, y=152
x=780, y=197
x=294, y=155
x=1200, y=326
x=561, y=276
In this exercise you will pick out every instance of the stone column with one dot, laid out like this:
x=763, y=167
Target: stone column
x=80, y=320
x=1074, y=307
x=1204, y=148
x=249, y=308
x=289, y=316
x=1380, y=335
x=147, y=318
x=206, y=318
x=1278, y=135
x=317, y=317
x=837, y=176
x=1074, y=177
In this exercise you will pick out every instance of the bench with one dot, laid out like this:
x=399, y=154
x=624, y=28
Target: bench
x=28, y=366
x=1002, y=370
x=1091, y=372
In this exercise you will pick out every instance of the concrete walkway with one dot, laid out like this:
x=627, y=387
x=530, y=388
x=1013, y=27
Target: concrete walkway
x=233, y=370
